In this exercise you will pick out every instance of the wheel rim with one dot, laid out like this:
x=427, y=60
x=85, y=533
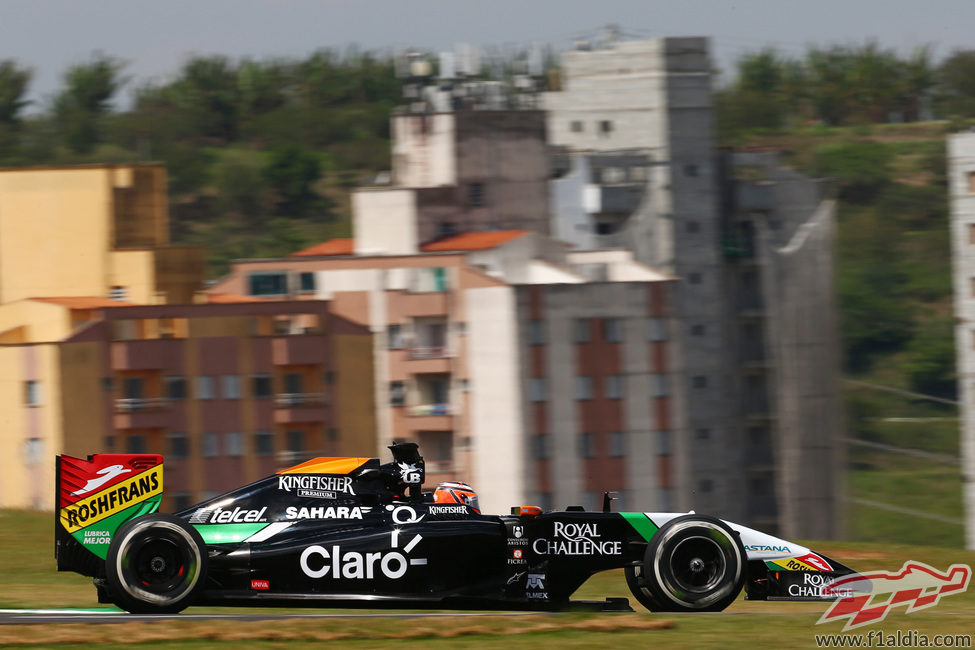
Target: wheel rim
x=697, y=564
x=158, y=566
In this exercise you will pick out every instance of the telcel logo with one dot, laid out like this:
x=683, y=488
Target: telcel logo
x=353, y=565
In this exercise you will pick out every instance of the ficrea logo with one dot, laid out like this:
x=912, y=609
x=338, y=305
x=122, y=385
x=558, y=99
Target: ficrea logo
x=864, y=598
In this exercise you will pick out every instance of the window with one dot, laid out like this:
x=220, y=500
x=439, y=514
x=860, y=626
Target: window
x=972, y=283
x=107, y=383
x=536, y=332
x=262, y=385
x=231, y=386
x=540, y=446
x=117, y=293
x=663, y=443
x=132, y=388
x=612, y=330
x=694, y=278
x=699, y=381
x=32, y=392
x=175, y=387
x=656, y=330
x=177, y=445
x=537, y=389
x=605, y=127
x=693, y=227
x=211, y=445
x=296, y=440
x=703, y=434
x=293, y=383
x=705, y=485
x=328, y=378
x=205, y=387
x=233, y=444
x=690, y=170
x=306, y=282
x=613, y=387
x=582, y=334
x=33, y=451
x=268, y=283
x=110, y=443
x=446, y=229
x=971, y=182
x=658, y=384
x=263, y=443
x=394, y=337
x=697, y=330
x=971, y=233
x=397, y=393
x=583, y=387
x=576, y=126
x=135, y=444
x=617, y=445
x=475, y=195
x=586, y=447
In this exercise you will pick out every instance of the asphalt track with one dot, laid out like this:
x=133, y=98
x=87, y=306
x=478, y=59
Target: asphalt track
x=112, y=615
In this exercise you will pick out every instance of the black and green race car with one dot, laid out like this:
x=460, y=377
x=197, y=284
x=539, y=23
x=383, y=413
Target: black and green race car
x=354, y=532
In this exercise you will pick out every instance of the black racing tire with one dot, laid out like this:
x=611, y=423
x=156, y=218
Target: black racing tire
x=156, y=564
x=694, y=563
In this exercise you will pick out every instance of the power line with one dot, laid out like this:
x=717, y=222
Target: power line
x=899, y=391
x=938, y=458
x=906, y=511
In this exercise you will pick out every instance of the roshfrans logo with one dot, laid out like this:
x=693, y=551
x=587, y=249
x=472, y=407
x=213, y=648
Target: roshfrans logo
x=315, y=485
x=320, y=562
x=106, y=475
x=864, y=598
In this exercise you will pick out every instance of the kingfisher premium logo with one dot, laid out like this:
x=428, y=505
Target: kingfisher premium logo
x=315, y=485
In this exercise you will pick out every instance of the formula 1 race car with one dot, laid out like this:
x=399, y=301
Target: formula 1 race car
x=354, y=532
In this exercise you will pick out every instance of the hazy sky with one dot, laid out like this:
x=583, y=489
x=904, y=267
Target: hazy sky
x=155, y=37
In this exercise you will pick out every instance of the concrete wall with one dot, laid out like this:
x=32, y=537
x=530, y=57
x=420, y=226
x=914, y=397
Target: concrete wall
x=385, y=221
x=497, y=436
x=424, y=150
x=961, y=168
x=29, y=435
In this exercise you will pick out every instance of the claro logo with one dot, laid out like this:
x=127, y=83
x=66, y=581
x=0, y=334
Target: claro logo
x=336, y=564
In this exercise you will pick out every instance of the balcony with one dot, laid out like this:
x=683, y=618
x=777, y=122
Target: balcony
x=300, y=407
x=141, y=413
x=430, y=417
x=428, y=352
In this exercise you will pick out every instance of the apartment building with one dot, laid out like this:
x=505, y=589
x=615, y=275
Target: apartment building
x=480, y=358
x=101, y=348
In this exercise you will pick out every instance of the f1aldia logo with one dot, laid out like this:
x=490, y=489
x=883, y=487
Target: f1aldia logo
x=864, y=598
x=320, y=562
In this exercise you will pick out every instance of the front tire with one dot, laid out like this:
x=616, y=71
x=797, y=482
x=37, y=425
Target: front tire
x=693, y=563
x=156, y=565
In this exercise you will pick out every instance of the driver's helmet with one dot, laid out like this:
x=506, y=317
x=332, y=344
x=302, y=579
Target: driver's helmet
x=457, y=492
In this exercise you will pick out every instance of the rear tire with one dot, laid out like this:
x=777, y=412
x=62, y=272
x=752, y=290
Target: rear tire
x=156, y=564
x=693, y=563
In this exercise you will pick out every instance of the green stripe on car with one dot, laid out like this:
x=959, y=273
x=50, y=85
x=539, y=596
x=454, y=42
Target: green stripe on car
x=641, y=523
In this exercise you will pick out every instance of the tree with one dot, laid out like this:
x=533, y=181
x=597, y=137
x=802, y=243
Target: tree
x=292, y=172
x=13, y=87
x=860, y=169
x=956, y=85
x=86, y=98
x=930, y=363
x=208, y=97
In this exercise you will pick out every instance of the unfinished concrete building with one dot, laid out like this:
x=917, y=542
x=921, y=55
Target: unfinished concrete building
x=752, y=243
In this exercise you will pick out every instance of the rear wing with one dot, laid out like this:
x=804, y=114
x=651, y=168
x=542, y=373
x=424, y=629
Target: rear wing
x=94, y=497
